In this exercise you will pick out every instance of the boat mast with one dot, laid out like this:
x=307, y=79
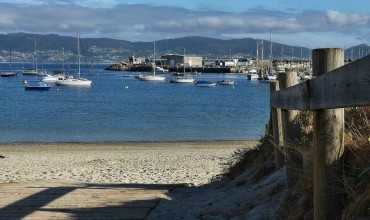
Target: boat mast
x=154, y=60
x=301, y=53
x=78, y=55
x=263, y=58
x=184, y=61
x=257, y=54
x=10, y=57
x=63, y=60
x=35, y=54
x=270, y=63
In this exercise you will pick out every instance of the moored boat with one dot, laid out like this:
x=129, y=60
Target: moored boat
x=70, y=80
x=182, y=79
x=252, y=76
x=53, y=78
x=226, y=82
x=76, y=82
x=33, y=72
x=271, y=77
x=204, y=83
x=39, y=86
x=8, y=74
x=152, y=77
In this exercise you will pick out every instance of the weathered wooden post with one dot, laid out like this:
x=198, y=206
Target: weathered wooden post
x=328, y=133
x=277, y=129
x=290, y=129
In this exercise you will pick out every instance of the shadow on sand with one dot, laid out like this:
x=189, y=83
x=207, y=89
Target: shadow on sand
x=134, y=202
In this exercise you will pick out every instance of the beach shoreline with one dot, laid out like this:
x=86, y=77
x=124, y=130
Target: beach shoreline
x=92, y=143
x=185, y=162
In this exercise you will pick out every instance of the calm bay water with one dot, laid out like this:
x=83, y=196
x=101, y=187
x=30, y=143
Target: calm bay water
x=119, y=108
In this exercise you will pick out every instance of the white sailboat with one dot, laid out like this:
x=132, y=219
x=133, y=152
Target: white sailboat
x=183, y=78
x=54, y=78
x=270, y=76
x=76, y=82
x=33, y=71
x=152, y=77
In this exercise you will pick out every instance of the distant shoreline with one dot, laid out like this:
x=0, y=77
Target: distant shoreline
x=214, y=141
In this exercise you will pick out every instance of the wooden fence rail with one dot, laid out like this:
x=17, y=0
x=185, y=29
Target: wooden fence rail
x=334, y=87
x=347, y=86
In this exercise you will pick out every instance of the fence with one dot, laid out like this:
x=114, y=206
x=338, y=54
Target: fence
x=334, y=87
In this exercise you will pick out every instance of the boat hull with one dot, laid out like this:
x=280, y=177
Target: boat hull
x=253, y=77
x=182, y=80
x=226, y=83
x=53, y=78
x=206, y=85
x=151, y=78
x=30, y=72
x=74, y=82
x=37, y=88
x=8, y=74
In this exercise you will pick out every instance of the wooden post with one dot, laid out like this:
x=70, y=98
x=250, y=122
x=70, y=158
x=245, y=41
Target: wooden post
x=290, y=129
x=277, y=129
x=328, y=134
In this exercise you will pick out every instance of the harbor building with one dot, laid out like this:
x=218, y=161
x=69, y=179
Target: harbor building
x=137, y=60
x=175, y=60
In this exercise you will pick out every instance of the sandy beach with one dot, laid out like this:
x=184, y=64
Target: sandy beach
x=192, y=163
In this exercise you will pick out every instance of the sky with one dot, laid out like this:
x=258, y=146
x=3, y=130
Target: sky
x=314, y=23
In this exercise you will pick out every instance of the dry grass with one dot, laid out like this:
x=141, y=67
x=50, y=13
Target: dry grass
x=356, y=163
x=354, y=173
x=260, y=158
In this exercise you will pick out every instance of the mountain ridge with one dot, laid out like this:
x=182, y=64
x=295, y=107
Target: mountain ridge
x=116, y=49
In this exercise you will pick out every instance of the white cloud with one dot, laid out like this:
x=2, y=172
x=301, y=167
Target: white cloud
x=144, y=22
x=343, y=19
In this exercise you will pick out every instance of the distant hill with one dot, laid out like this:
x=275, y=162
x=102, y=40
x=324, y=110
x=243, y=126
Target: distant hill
x=357, y=52
x=91, y=47
x=106, y=49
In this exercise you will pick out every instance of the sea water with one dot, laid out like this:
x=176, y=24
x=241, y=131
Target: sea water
x=118, y=108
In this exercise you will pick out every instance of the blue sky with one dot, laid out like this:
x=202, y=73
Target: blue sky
x=314, y=23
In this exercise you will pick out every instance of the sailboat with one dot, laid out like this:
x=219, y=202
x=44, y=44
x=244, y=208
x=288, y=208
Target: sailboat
x=54, y=78
x=270, y=76
x=152, y=77
x=70, y=80
x=33, y=71
x=182, y=78
x=9, y=73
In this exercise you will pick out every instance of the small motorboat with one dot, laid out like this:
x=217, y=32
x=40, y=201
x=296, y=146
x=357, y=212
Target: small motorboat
x=39, y=86
x=226, y=82
x=182, y=79
x=203, y=83
x=8, y=74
